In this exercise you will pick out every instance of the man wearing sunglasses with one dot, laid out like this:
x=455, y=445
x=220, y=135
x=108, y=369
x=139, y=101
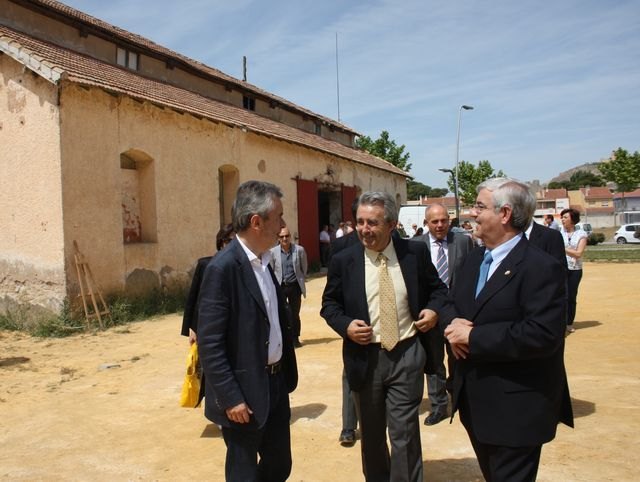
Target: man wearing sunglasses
x=289, y=263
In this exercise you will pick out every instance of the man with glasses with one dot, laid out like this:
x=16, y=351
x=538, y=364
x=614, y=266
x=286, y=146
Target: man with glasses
x=289, y=263
x=510, y=384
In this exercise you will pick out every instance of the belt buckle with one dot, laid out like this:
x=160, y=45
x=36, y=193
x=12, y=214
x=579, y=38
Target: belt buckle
x=273, y=368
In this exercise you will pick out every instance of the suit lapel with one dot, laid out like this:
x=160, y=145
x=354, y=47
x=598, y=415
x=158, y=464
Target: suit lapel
x=355, y=266
x=452, y=249
x=408, y=267
x=503, y=275
x=249, y=277
x=282, y=314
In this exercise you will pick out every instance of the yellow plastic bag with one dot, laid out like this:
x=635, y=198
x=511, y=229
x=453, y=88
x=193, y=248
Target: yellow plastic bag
x=190, y=396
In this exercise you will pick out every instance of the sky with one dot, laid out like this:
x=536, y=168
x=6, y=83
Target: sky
x=553, y=84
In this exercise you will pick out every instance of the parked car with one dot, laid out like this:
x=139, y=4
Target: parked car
x=626, y=234
x=586, y=227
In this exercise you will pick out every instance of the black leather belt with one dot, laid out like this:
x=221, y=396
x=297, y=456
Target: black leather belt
x=274, y=368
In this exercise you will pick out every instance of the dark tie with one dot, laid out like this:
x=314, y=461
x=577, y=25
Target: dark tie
x=389, y=335
x=484, y=271
x=441, y=264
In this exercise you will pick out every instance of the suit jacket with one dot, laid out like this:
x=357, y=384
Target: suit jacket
x=190, y=317
x=344, y=242
x=458, y=246
x=514, y=378
x=550, y=241
x=345, y=299
x=299, y=260
x=233, y=336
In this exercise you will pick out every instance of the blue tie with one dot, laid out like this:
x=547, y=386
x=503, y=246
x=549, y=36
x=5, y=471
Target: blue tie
x=484, y=271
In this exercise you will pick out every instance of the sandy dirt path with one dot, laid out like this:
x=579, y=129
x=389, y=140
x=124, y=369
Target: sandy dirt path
x=104, y=406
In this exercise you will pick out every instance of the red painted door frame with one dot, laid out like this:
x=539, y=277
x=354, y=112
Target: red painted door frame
x=308, y=232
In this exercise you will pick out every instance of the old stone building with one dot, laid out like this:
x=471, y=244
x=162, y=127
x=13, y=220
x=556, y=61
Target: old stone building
x=134, y=152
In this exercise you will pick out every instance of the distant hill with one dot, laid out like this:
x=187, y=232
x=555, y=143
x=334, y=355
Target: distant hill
x=589, y=166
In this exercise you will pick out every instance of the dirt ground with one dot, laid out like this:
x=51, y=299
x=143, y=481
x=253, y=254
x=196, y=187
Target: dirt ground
x=104, y=406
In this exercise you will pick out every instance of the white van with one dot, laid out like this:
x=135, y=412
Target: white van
x=411, y=214
x=586, y=227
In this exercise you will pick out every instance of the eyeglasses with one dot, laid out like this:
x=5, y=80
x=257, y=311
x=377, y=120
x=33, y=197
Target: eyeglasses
x=285, y=236
x=480, y=207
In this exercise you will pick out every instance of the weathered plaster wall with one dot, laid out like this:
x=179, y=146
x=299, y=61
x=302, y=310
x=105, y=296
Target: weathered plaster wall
x=31, y=235
x=186, y=155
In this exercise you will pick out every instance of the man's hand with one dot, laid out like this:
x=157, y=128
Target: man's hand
x=359, y=332
x=241, y=413
x=457, y=334
x=428, y=319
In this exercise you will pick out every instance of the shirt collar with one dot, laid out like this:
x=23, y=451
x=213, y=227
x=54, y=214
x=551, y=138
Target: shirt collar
x=500, y=252
x=527, y=232
x=435, y=241
x=389, y=252
x=253, y=259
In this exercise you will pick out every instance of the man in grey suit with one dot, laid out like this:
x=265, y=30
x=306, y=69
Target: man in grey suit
x=447, y=250
x=289, y=263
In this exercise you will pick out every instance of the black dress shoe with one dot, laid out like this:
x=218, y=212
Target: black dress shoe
x=347, y=438
x=297, y=343
x=435, y=417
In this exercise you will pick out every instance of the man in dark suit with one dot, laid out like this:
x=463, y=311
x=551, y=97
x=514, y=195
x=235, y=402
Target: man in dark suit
x=447, y=250
x=245, y=342
x=190, y=316
x=510, y=384
x=379, y=295
x=347, y=436
x=548, y=240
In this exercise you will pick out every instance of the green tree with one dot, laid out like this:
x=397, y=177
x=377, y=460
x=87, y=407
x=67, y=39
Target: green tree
x=416, y=189
x=623, y=169
x=386, y=149
x=469, y=177
x=577, y=180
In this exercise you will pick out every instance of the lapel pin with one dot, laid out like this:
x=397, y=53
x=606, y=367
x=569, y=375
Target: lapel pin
x=507, y=273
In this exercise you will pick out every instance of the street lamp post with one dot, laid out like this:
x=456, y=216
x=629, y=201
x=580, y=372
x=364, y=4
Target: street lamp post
x=455, y=186
x=455, y=178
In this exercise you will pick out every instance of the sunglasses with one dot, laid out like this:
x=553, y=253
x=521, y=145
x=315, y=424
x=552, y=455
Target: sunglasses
x=285, y=236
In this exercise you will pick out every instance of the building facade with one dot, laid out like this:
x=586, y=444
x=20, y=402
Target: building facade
x=134, y=153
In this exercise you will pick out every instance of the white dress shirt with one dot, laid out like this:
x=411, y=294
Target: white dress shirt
x=269, y=296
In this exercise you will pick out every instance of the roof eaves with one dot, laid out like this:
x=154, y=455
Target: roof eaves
x=109, y=31
x=30, y=60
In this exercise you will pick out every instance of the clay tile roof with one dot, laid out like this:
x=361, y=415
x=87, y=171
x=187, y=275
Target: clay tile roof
x=629, y=194
x=596, y=193
x=553, y=193
x=98, y=26
x=59, y=64
x=448, y=201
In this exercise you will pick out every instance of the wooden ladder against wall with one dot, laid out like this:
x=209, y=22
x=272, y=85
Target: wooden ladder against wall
x=88, y=291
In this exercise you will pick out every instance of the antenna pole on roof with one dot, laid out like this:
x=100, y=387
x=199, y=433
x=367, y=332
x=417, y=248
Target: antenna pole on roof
x=244, y=68
x=337, y=78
